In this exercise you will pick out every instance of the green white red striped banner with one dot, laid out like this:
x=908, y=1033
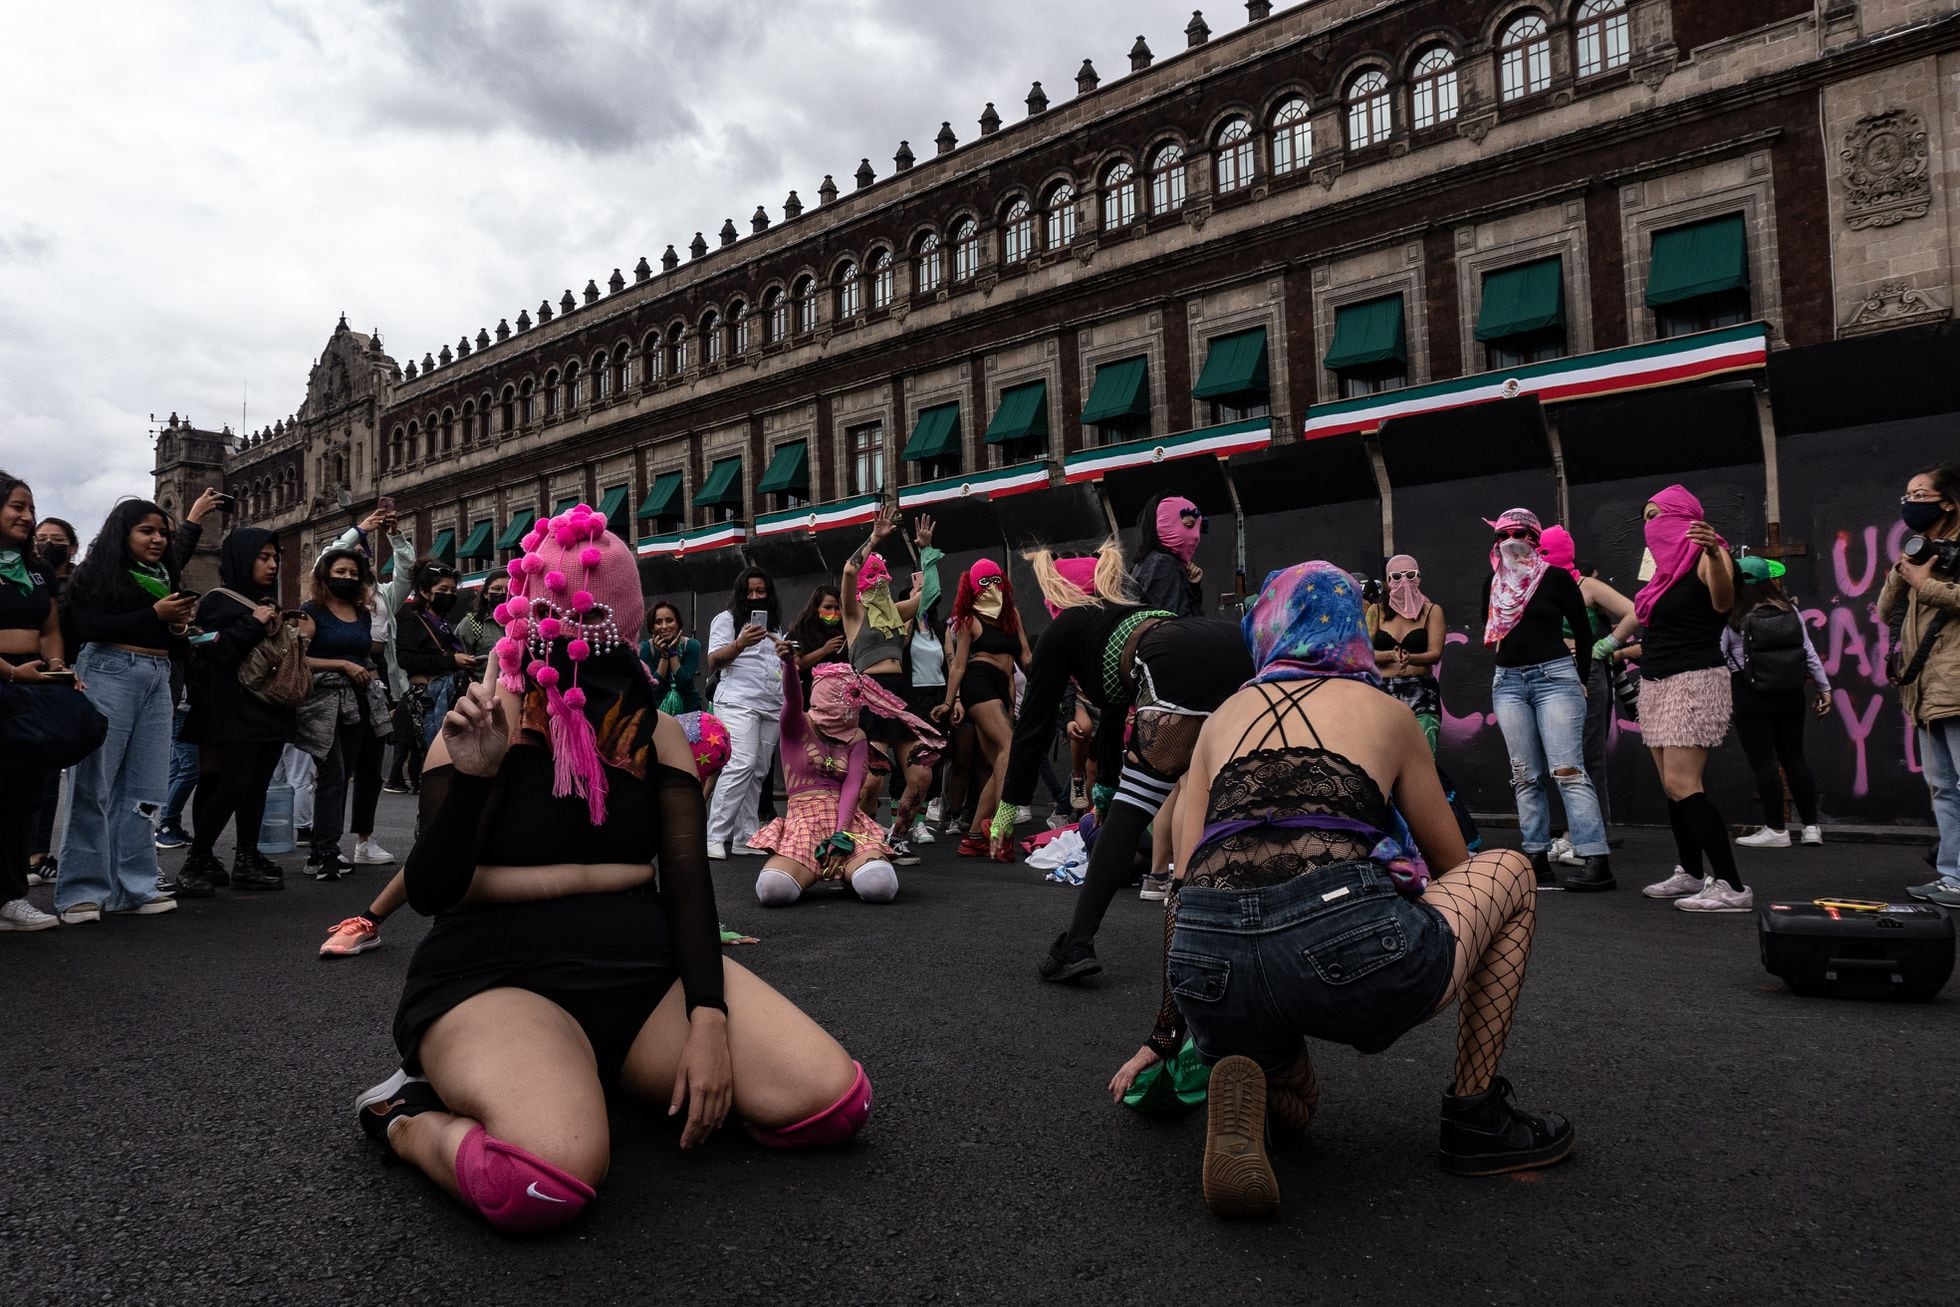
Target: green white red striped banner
x=1586, y=376
x=1218, y=442
x=693, y=542
x=819, y=517
x=474, y=581
x=995, y=483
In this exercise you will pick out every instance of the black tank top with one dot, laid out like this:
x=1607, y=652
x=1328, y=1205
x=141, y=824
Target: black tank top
x=1684, y=631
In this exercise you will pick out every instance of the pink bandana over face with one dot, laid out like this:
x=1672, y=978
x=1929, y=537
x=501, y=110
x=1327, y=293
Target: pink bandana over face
x=1516, y=568
x=1558, y=550
x=1078, y=572
x=1405, y=597
x=873, y=574
x=1180, y=539
x=1667, y=539
x=838, y=695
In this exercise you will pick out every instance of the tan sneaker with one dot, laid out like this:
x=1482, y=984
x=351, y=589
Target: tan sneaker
x=1238, y=1178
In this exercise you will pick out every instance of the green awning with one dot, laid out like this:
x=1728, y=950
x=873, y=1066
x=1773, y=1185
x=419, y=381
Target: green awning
x=444, y=548
x=723, y=488
x=520, y=522
x=663, y=500
x=1529, y=297
x=936, y=435
x=1022, y=415
x=611, y=506
x=566, y=505
x=1366, y=333
x=1702, y=259
x=477, y=544
x=1235, y=365
x=789, y=471
x=1121, y=391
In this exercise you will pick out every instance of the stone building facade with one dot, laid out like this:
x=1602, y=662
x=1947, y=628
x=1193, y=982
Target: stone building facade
x=1350, y=274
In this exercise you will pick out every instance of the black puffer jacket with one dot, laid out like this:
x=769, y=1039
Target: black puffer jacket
x=223, y=711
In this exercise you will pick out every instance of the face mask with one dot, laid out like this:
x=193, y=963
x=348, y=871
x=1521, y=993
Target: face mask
x=440, y=604
x=344, y=587
x=54, y=555
x=830, y=619
x=1921, y=516
x=988, y=603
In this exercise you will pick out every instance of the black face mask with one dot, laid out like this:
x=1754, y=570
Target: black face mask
x=344, y=587
x=440, y=604
x=1921, y=515
x=54, y=555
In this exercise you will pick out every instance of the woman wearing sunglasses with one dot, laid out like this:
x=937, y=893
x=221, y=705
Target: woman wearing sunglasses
x=1539, y=693
x=990, y=643
x=1408, y=645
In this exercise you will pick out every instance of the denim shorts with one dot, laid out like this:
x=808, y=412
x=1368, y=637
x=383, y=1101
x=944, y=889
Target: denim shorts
x=1336, y=954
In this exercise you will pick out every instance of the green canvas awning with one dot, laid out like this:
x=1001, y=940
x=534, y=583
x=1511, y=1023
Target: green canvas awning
x=663, y=500
x=1022, y=415
x=936, y=435
x=1529, y=297
x=612, y=504
x=444, y=548
x=1368, y=333
x=788, y=472
x=1704, y=258
x=477, y=543
x=723, y=488
x=520, y=522
x=1235, y=365
x=566, y=505
x=1121, y=391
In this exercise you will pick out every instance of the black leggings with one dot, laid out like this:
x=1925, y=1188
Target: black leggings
x=232, y=780
x=20, y=796
x=356, y=750
x=1776, y=737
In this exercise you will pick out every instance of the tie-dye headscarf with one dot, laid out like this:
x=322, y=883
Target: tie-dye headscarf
x=1307, y=623
x=1516, y=569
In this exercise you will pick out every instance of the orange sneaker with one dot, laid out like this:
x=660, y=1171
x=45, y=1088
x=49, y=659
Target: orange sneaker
x=354, y=935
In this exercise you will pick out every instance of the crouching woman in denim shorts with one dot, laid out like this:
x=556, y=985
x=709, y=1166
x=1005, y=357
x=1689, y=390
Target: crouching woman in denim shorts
x=1301, y=914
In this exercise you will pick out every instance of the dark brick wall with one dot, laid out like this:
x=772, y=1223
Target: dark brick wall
x=1697, y=22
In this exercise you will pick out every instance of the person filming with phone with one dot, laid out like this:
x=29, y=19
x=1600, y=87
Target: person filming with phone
x=31, y=652
x=744, y=650
x=1922, y=597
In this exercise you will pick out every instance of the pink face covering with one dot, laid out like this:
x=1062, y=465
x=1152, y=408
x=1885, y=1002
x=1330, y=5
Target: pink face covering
x=1180, y=539
x=1556, y=545
x=1516, y=568
x=983, y=569
x=1667, y=539
x=1405, y=598
x=872, y=574
x=833, y=706
x=1078, y=572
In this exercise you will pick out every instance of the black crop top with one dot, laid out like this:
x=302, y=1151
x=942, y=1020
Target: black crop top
x=660, y=820
x=26, y=610
x=993, y=640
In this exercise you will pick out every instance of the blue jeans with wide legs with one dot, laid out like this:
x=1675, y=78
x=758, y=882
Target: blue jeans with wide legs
x=108, y=849
x=1542, y=711
x=1939, y=757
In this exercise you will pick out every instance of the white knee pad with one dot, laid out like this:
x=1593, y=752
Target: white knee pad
x=776, y=889
x=875, y=881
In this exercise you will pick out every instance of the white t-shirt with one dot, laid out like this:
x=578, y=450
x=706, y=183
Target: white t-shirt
x=754, y=678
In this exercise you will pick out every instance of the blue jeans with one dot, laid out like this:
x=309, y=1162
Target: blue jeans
x=1939, y=755
x=442, y=697
x=108, y=849
x=1542, y=712
x=183, y=773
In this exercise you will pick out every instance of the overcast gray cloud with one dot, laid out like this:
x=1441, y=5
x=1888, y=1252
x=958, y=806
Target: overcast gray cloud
x=195, y=191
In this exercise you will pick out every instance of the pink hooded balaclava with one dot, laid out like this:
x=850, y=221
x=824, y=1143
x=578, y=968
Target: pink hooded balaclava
x=1558, y=550
x=1180, y=539
x=1667, y=540
x=1078, y=572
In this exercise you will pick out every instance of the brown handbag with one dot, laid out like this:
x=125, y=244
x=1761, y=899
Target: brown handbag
x=274, y=671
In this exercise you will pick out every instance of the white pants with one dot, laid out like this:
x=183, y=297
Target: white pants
x=751, y=749
x=296, y=769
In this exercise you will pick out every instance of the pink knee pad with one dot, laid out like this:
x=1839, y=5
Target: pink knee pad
x=515, y=1191
x=836, y=1124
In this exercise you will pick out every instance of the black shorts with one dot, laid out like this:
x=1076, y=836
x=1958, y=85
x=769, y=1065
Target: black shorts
x=985, y=683
x=886, y=731
x=1194, y=663
x=606, y=959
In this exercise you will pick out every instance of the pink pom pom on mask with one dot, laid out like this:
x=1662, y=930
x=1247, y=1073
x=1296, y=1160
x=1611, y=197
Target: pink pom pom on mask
x=546, y=675
x=590, y=557
x=533, y=564
x=578, y=651
x=555, y=582
x=566, y=534
x=549, y=628
x=532, y=539
x=518, y=628
x=575, y=698
x=581, y=600
x=514, y=568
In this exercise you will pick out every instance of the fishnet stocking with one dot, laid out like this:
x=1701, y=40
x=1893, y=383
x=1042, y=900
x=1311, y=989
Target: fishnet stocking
x=1164, y=740
x=1491, y=904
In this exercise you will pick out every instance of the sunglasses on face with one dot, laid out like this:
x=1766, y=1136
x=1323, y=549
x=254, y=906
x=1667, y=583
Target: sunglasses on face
x=1515, y=533
x=1405, y=576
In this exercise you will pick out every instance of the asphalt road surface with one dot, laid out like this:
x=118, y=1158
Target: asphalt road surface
x=177, y=1129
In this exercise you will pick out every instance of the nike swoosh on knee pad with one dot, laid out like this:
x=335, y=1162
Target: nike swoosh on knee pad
x=533, y=1191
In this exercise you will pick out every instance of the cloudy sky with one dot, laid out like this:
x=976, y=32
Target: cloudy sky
x=194, y=191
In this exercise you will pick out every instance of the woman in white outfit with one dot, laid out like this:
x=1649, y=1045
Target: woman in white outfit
x=745, y=653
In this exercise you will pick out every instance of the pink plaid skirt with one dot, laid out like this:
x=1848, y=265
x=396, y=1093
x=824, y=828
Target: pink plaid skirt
x=812, y=819
x=1688, y=710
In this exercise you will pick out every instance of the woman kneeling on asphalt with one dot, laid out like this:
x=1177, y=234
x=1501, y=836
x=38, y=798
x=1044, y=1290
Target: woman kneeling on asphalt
x=1301, y=915
x=583, y=954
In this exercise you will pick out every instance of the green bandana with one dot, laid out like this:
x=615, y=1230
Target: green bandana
x=881, y=612
x=13, y=567
x=152, y=578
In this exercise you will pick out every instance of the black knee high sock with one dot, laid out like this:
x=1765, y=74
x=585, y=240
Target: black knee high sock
x=1109, y=867
x=1686, y=848
x=1712, y=833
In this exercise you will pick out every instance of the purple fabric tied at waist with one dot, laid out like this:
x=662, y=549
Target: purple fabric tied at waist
x=1404, y=865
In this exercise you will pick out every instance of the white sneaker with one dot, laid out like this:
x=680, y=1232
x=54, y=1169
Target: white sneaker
x=933, y=814
x=147, y=908
x=1813, y=835
x=1561, y=853
x=1675, y=886
x=717, y=851
x=80, y=913
x=1023, y=815
x=1765, y=839
x=1060, y=820
x=1717, y=897
x=922, y=833
x=369, y=854
x=22, y=915
x=746, y=850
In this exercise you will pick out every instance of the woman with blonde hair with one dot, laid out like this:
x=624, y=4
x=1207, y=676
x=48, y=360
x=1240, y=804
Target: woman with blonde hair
x=1121, y=656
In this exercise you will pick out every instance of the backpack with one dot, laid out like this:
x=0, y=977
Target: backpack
x=1772, y=641
x=274, y=671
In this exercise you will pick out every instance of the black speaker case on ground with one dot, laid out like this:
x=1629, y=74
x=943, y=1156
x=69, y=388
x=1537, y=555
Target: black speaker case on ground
x=1851, y=948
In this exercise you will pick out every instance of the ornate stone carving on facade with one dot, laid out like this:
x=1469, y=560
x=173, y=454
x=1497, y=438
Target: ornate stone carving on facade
x=1195, y=214
x=1651, y=71
x=1886, y=180
x=1328, y=174
x=1475, y=127
x=1894, y=304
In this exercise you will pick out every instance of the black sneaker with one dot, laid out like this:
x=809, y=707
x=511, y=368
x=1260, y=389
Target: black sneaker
x=328, y=866
x=303, y=833
x=1483, y=1134
x=254, y=871
x=397, y=1098
x=1070, y=959
x=194, y=878
x=1541, y=866
x=1597, y=874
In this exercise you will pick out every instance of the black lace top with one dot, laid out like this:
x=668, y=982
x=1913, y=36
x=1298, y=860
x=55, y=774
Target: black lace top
x=1272, y=785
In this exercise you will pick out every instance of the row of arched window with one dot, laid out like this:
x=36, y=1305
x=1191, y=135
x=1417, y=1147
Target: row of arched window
x=268, y=493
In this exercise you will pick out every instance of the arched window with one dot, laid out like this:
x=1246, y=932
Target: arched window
x=622, y=375
x=966, y=249
x=1017, y=232
x=738, y=327
x=652, y=360
x=507, y=408
x=1432, y=89
x=1234, y=155
x=1060, y=206
x=676, y=350
x=572, y=391
x=396, y=457
x=483, y=416
x=849, y=291
x=710, y=338
x=1524, y=57
x=806, y=304
x=469, y=420
x=775, y=316
x=928, y=265
x=1601, y=27
x=884, y=280
x=524, y=392
x=1167, y=178
x=599, y=379
x=413, y=445
x=1292, y=136
x=1119, y=196
x=448, y=429
x=1369, y=116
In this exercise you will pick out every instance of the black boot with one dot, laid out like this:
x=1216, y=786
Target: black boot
x=195, y=877
x=1070, y=959
x=246, y=873
x=1596, y=874
x=1484, y=1135
x=1541, y=863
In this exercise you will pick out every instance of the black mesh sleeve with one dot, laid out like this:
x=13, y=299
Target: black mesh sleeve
x=1167, y=1036
x=449, y=825
x=687, y=891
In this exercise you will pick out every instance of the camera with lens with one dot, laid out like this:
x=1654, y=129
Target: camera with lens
x=1943, y=554
x=1371, y=590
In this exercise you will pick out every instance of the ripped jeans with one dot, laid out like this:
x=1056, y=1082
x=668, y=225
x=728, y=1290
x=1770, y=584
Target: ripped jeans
x=1542, y=712
x=108, y=849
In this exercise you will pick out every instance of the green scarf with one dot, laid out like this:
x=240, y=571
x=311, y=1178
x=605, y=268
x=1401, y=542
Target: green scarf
x=881, y=612
x=13, y=567
x=152, y=578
